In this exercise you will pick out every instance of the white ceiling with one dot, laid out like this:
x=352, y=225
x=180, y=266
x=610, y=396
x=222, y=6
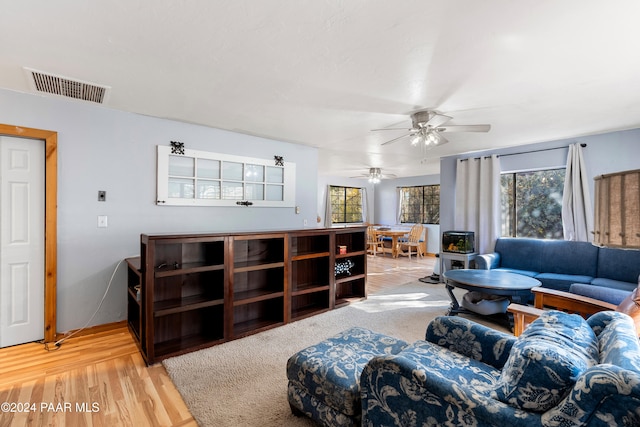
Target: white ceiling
x=323, y=73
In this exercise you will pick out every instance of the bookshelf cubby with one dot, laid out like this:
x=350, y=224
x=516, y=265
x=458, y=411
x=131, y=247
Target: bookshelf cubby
x=310, y=274
x=350, y=278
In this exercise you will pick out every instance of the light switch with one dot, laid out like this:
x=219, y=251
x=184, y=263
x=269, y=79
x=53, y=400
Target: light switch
x=102, y=221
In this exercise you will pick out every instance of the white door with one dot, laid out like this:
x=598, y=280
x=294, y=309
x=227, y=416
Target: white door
x=22, y=195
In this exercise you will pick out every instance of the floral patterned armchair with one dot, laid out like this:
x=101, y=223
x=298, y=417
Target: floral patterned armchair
x=562, y=371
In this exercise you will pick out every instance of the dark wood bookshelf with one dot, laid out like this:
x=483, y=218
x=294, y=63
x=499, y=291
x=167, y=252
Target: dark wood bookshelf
x=190, y=291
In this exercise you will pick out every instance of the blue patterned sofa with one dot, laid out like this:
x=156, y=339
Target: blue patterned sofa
x=562, y=371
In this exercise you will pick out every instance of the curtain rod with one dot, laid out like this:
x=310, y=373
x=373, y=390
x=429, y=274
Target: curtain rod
x=583, y=145
x=536, y=151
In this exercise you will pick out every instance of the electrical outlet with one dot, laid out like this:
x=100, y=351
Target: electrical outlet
x=305, y=222
x=102, y=196
x=102, y=221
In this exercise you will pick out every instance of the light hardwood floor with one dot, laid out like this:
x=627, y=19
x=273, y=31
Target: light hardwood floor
x=386, y=272
x=100, y=379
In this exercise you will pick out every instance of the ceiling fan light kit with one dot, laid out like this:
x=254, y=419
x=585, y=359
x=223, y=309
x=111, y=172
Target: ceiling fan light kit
x=428, y=138
x=374, y=175
x=427, y=127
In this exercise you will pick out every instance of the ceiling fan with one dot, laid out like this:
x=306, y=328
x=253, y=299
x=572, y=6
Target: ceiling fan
x=375, y=175
x=427, y=127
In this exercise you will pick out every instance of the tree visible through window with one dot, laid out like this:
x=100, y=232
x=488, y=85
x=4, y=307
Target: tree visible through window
x=346, y=204
x=420, y=204
x=532, y=204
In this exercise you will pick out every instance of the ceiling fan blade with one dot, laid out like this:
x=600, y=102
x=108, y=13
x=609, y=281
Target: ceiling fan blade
x=395, y=139
x=464, y=128
x=437, y=120
x=405, y=129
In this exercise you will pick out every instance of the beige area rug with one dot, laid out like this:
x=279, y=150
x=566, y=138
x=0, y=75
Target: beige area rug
x=244, y=383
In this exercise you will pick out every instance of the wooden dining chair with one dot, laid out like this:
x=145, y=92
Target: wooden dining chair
x=412, y=241
x=374, y=242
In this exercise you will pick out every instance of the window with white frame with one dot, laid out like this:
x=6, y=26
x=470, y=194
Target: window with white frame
x=201, y=178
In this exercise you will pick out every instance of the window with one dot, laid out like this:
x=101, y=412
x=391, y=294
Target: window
x=420, y=204
x=532, y=204
x=346, y=204
x=200, y=178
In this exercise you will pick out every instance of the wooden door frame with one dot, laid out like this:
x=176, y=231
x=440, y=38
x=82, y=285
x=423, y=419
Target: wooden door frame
x=50, y=139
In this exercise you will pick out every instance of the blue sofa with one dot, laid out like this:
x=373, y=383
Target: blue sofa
x=562, y=371
x=603, y=273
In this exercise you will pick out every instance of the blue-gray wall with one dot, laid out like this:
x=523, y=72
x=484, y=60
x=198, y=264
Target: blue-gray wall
x=104, y=149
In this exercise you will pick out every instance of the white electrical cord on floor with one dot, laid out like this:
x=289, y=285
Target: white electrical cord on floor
x=60, y=341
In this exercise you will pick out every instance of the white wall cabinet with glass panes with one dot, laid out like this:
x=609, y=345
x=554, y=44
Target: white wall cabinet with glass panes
x=200, y=178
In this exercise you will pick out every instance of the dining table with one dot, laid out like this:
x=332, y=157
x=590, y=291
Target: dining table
x=395, y=234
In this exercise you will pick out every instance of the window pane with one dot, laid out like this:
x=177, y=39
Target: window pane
x=431, y=204
x=232, y=190
x=275, y=174
x=533, y=204
x=180, y=188
x=208, y=169
x=337, y=204
x=254, y=173
x=275, y=192
x=181, y=166
x=432, y=214
x=346, y=204
x=353, y=208
x=208, y=190
x=507, y=204
x=232, y=171
x=254, y=191
x=412, y=205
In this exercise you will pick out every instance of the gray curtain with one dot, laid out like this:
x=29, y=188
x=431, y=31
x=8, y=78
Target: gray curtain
x=328, y=217
x=478, y=200
x=577, y=217
x=365, y=206
x=399, y=197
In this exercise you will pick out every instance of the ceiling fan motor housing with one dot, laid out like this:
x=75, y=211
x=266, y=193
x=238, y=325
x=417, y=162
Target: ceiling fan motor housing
x=419, y=118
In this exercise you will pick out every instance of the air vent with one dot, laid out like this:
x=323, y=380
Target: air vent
x=69, y=88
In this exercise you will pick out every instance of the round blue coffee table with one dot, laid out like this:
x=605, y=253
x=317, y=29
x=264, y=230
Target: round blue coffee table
x=492, y=282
